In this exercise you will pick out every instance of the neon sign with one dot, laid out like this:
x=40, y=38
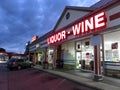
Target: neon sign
x=57, y=37
x=90, y=24
x=93, y=23
x=34, y=38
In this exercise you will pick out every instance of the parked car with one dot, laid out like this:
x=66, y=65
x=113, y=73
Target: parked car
x=19, y=63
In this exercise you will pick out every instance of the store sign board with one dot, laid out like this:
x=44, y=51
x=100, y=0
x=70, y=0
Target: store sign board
x=57, y=37
x=91, y=24
x=34, y=38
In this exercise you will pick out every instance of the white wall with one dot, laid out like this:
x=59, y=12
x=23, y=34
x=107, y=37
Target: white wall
x=74, y=15
x=111, y=11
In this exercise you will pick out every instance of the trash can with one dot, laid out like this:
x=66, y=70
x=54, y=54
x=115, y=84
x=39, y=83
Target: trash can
x=45, y=65
x=83, y=64
x=92, y=65
x=59, y=63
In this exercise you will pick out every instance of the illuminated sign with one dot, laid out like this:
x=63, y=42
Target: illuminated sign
x=34, y=38
x=93, y=23
x=57, y=37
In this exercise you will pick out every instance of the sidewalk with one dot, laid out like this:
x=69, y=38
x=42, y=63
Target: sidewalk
x=85, y=78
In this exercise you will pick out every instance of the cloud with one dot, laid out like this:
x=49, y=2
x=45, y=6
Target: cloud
x=20, y=20
x=85, y=3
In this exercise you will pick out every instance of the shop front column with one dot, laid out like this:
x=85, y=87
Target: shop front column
x=29, y=56
x=45, y=53
x=54, y=57
x=96, y=40
x=97, y=64
x=35, y=57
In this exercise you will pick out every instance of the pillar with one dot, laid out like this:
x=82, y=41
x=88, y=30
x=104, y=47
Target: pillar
x=45, y=55
x=34, y=57
x=29, y=56
x=54, y=57
x=97, y=64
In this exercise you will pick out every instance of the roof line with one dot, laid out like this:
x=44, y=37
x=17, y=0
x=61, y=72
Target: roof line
x=73, y=8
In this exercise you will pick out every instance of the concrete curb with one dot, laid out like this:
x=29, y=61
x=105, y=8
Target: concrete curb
x=84, y=81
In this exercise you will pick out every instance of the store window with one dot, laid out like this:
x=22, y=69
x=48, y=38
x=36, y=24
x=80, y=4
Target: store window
x=112, y=46
x=50, y=55
x=84, y=54
x=68, y=53
x=40, y=57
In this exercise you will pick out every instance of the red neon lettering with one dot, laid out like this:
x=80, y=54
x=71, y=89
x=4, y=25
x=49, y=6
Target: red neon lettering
x=76, y=29
x=52, y=39
x=100, y=20
x=89, y=25
x=34, y=38
x=82, y=27
x=94, y=22
x=48, y=40
x=63, y=35
x=57, y=37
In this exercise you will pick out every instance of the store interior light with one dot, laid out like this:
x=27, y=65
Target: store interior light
x=87, y=46
x=51, y=50
x=108, y=42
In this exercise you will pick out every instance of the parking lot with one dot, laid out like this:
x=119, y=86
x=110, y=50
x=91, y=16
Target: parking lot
x=32, y=79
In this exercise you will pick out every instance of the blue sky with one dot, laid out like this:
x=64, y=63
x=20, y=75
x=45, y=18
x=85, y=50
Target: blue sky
x=20, y=20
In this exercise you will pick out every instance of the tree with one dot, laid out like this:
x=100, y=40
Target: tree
x=2, y=50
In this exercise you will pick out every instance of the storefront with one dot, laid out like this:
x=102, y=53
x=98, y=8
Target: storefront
x=87, y=39
x=84, y=54
x=88, y=42
x=39, y=51
x=112, y=53
x=112, y=46
x=34, y=52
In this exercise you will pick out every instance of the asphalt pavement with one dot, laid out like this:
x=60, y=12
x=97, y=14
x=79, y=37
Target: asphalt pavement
x=85, y=78
x=34, y=79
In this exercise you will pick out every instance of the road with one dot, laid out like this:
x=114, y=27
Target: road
x=32, y=79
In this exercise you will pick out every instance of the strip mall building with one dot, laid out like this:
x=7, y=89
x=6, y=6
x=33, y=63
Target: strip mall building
x=85, y=38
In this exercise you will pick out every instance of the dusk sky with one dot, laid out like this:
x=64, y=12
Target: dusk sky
x=20, y=20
